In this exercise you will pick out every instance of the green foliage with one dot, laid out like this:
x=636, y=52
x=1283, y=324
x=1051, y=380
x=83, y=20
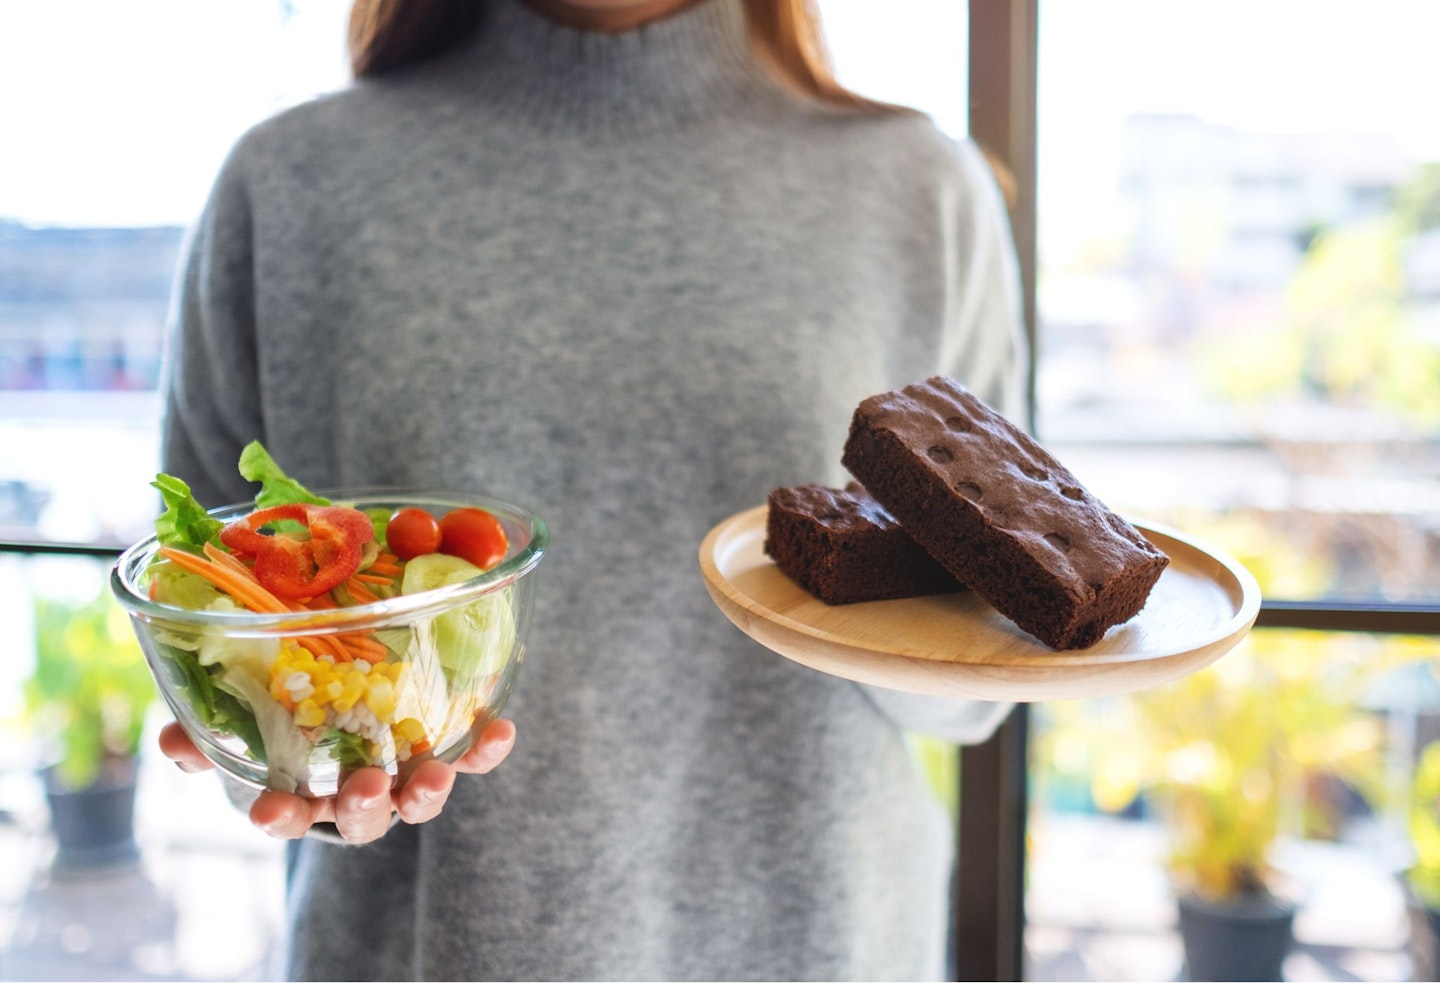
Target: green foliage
x=1344, y=333
x=91, y=688
x=1236, y=746
x=1424, y=825
x=1282, y=563
x=1418, y=203
x=1227, y=755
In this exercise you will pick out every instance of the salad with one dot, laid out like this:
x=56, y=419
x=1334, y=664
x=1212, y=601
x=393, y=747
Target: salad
x=306, y=702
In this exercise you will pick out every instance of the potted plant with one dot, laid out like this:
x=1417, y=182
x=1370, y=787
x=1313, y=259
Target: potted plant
x=1228, y=759
x=86, y=703
x=1422, y=877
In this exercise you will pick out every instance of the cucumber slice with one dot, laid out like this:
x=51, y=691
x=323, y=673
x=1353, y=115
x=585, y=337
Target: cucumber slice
x=474, y=640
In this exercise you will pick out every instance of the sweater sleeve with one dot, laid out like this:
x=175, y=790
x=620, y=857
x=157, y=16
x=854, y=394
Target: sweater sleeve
x=984, y=344
x=212, y=406
x=984, y=347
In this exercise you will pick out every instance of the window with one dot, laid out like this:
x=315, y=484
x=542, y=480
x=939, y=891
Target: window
x=116, y=118
x=134, y=107
x=1233, y=331
x=1236, y=215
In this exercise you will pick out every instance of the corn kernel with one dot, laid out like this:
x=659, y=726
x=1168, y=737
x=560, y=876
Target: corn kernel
x=308, y=714
x=380, y=698
x=411, y=730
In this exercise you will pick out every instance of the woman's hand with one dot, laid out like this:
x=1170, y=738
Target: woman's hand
x=361, y=811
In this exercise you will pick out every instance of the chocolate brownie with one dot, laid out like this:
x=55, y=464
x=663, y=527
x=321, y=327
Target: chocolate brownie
x=843, y=547
x=1000, y=513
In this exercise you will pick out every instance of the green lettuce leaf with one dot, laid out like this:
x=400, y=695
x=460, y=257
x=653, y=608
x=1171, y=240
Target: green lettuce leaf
x=183, y=524
x=216, y=709
x=351, y=750
x=182, y=589
x=287, y=752
x=277, y=488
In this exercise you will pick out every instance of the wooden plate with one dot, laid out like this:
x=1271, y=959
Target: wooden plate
x=957, y=645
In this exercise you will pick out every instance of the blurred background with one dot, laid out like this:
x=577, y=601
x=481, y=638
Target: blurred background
x=1238, y=322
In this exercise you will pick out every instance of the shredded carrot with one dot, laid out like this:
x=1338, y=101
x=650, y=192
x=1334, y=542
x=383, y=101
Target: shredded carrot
x=388, y=569
x=365, y=648
x=360, y=592
x=312, y=646
x=253, y=596
x=387, y=557
x=229, y=561
x=321, y=602
x=318, y=645
x=361, y=639
x=248, y=593
x=366, y=578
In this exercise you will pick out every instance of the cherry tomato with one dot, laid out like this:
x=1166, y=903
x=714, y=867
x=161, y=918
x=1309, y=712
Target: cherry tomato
x=412, y=532
x=474, y=535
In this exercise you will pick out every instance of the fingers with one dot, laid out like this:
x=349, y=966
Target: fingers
x=361, y=811
x=428, y=787
x=280, y=814
x=288, y=817
x=176, y=745
x=425, y=792
x=363, y=806
x=489, y=748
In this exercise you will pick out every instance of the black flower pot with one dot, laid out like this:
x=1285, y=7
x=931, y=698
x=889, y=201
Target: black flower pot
x=94, y=826
x=1424, y=938
x=1244, y=939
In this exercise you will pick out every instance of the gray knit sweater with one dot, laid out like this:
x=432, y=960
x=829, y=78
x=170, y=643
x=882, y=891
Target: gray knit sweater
x=629, y=282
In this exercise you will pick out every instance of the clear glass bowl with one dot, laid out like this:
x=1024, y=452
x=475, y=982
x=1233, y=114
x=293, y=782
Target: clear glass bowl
x=238, y=681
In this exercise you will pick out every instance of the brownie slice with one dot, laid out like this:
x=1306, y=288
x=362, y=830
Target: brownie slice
x=1000, y=513
x=843, y=547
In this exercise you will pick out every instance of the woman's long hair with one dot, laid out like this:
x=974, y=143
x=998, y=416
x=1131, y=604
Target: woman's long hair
x=390, y=34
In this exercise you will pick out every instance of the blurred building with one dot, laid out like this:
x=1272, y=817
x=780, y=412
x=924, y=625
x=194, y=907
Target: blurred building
x=83, y=308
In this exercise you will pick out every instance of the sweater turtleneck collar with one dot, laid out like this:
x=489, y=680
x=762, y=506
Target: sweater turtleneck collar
x=695, y=63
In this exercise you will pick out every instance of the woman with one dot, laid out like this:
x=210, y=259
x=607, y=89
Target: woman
x=631, y=263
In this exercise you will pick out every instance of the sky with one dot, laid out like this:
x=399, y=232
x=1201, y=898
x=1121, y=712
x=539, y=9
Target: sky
x=120, y=113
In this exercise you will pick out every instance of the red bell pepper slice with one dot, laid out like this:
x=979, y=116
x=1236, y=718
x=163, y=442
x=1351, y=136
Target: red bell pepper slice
x=243, y=536
x=298, y=569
